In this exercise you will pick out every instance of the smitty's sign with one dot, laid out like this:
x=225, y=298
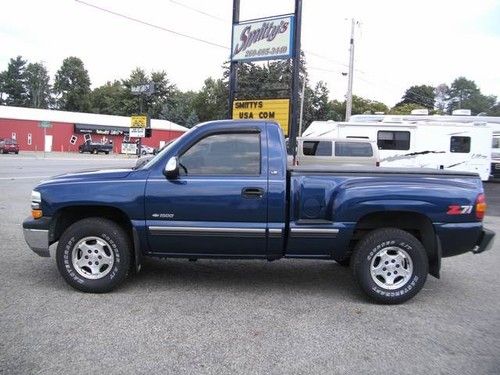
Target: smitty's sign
x=277, y=110
x=265, y=39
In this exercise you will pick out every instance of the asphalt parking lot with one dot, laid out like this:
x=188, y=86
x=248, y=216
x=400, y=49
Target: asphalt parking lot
x=234, y=316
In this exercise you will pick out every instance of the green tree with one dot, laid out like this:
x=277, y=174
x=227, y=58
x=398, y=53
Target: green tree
x=464, y=94
x=13, y=83
x=152, y=103
x=179, y=107
x=192, y=119
x=441, y=93
x=211, y=102
x=109, y=99
x=2, y=84
x=72, y=86
x=37, y=85
x=404, y=109
x=423, y=95
x=494, y=110
x=359, y=106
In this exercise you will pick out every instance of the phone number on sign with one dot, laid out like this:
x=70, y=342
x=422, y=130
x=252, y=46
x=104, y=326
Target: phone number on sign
x=266, y=51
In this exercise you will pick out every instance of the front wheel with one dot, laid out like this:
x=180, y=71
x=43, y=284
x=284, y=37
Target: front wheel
x=93, y=255
x=390, y=265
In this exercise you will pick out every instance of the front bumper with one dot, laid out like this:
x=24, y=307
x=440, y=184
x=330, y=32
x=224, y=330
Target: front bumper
x=36, y=235
x=485, y=241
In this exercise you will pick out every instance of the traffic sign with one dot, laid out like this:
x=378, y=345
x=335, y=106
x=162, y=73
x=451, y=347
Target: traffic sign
x=140, y=121
x=45, y=124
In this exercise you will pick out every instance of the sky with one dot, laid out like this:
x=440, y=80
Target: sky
x=397, y=43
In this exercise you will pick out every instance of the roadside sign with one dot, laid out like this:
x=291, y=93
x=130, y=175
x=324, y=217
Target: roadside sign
x=73, y=139
x=45, y=124
x=263, y=39
x=140, y=121
x=137, y=132
x=277, y=110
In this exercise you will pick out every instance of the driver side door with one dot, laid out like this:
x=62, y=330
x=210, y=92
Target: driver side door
x=217, y=206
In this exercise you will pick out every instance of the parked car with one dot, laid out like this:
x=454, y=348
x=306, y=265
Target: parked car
x=223, y=190
x=147, y=150
x=355, y=152
x=95, y=147
x=8, y=145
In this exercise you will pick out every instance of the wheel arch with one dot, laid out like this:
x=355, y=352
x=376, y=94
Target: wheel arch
x=69, y=215
x=415, y=223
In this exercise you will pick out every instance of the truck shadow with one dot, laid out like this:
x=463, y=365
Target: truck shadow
x=288, y=276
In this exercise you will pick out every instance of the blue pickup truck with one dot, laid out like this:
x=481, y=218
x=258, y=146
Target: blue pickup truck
x=223, y=190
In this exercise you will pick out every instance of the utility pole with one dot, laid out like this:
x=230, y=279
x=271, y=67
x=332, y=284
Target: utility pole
x=348, y=107
x=302, y=105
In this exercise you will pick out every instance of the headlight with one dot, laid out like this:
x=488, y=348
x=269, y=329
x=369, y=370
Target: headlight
x=36, y=199
x=36, y=196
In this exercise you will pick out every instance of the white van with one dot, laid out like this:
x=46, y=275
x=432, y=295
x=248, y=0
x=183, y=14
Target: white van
x=335, y=152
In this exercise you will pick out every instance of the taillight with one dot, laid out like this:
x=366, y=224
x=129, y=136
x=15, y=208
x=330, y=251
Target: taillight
x=481, y=206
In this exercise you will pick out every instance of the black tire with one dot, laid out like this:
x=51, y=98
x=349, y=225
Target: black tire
x=106, y=152
x=94, y=151
x=17, y=152
x=119, y=246
x=398, y=241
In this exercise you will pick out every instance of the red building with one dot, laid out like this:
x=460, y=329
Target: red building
x=23, y=124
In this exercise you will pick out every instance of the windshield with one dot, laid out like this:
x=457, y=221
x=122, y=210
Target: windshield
x=165, y=149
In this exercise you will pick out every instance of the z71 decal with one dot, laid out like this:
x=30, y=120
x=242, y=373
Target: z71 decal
x=459, y=210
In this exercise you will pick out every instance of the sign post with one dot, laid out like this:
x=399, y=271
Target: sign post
x=137, y=129
x=268, y=39
x=44, y=125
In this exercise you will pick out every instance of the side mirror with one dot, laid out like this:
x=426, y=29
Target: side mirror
x=172, y=167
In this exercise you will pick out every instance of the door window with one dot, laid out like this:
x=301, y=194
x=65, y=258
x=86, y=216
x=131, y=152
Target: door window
x=223, y=154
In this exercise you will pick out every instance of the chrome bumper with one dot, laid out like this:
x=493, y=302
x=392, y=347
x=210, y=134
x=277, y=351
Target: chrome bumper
x=37, y=240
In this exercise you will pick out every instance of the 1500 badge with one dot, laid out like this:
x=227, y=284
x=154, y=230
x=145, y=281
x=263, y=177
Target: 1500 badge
x=163, y=216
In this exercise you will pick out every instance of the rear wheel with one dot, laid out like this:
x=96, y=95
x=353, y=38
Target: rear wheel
x=390, y=265
x=93, y=255
x=94, y=151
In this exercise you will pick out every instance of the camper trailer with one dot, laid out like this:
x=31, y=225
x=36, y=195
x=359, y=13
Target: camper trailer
x=419, y=144
x=459, y=115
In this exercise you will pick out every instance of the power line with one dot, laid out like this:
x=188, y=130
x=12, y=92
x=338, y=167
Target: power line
x=152, y=25
x=199, y=11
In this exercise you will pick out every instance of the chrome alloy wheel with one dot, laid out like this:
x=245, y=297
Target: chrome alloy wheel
x=92, y=257
x=391, y=268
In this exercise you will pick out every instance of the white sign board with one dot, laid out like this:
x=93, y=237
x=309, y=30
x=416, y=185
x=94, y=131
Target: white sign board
x=137, y=132
x=129, y=148
x=264, y=39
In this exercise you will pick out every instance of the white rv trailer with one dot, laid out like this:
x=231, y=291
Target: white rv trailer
x=419, y=144
x=462, y=116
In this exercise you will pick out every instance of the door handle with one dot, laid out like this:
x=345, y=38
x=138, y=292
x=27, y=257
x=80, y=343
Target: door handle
x=252, y=192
